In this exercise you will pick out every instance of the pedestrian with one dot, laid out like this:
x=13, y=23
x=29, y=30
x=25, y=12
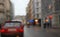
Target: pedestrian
x=39, y=21
x=44, y=25
x=47, y=24
x=50, y=25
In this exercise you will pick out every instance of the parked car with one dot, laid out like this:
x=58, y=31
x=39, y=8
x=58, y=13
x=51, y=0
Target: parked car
x=12, y=28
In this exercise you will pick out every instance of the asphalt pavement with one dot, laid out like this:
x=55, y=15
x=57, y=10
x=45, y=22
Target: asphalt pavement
x=36, y=31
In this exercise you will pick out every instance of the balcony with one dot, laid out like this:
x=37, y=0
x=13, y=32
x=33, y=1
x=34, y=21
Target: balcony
x=1, y=8
x=1, y=2
x=8, y=13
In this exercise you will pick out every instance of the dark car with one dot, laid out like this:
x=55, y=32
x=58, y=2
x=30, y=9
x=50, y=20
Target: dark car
x=12, y=28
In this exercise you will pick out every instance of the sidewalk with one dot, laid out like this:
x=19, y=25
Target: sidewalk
x=54, y=30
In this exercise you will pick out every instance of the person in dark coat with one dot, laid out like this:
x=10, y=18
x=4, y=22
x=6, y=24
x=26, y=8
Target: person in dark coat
x=46, y=24
x=39, y=21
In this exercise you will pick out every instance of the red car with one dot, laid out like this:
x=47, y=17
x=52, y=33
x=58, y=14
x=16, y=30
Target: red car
x=12, y=29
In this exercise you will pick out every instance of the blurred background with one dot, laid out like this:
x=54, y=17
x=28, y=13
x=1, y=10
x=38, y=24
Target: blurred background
x=41, y=18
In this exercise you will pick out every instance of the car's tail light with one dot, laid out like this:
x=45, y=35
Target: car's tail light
x=21, y=30
x=21, y=26
x=2, y=30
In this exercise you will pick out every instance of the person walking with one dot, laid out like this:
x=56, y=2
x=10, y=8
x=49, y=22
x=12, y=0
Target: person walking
x=39, y=21
x=46, y=24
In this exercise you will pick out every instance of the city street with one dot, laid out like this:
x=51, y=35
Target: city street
x=38, y=32
x=16, y=14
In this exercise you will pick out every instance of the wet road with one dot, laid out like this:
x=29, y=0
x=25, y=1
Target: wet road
x=38, y=32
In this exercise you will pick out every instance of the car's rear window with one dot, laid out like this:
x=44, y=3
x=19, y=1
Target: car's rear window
x=12, y=24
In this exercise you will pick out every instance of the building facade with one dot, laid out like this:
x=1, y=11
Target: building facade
x=51, y=8
x=11, y=11
x=37, y=9
x=5, y=10
x=29, y=10
x=42, y=9
x=27, y=13
x=2, y=11
x=34, y=9
x=20, y=18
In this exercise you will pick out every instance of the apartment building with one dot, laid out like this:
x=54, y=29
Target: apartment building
x=51, y=8
x=5, y=13
x=34, y=7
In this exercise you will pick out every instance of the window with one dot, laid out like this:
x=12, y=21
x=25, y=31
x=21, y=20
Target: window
x=37, y=15
x=12, y=24
x=2, y=4
x=57, y=5
x=59, y=19
x=1, y=8
x=37, y=9
x=37, y=3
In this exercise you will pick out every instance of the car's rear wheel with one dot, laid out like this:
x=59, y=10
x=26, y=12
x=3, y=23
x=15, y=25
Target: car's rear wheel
x=3, y=35
x=20, y=35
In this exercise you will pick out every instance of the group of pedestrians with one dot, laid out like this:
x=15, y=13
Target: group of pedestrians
x=47, y=25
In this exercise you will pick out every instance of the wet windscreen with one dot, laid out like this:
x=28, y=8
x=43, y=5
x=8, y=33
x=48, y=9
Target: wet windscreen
x=12, y=24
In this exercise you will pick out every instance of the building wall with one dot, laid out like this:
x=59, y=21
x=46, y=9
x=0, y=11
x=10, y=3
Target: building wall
x=37, y=8
x=29, y=10
x=7, y=9
x=57, y=11
x=4, y=10
x=45, y=8
x=49, y=7
x=2, y=6
x=7, y=4
x=11, y=11
x=27, y=16
x=20, y=18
